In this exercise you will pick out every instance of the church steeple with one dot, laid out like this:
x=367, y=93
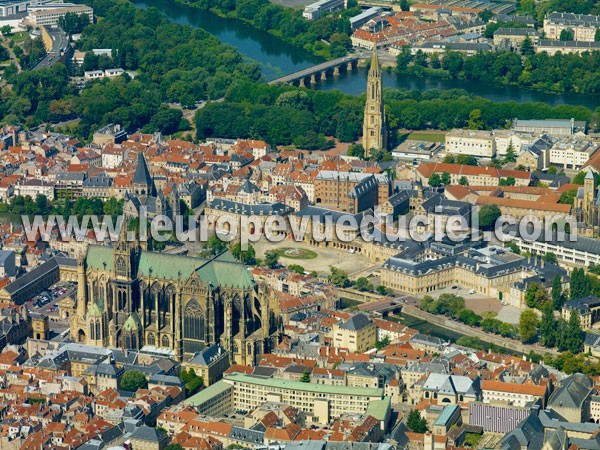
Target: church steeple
x=374, y=125
x=143, y=184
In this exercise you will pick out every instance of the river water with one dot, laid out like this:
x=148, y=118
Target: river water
x=277, y=58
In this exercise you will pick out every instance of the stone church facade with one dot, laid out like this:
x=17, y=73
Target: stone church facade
x=129, y=297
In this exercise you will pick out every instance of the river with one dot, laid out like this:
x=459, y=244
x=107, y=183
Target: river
x=277, y=58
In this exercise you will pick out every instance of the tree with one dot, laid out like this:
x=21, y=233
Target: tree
x=550, y=258
x=510, y=156
x=528, y=323
x=485, y=15
x=557, y=293
x=463, y=181
x=488, y=214
x=404, y=5
x=596, y=35
x=133, y=380
x=193, y=383
x=513, y=247
x=305, y=378
x=508, y=181
x=476, y=120
x=580, y=285
x=362, y=284
x=247, y=256
x=338, y=277
x=6, y=30
x=382, y=343
x=445, y=179
x=568, y=197
x=575, y=335
x=296, y=268
x=552, y=170
x=435, y=180
x=271, y=258
x=416, y=423
x=548, y=326
x=536, y=296
x=356, y=150
x=403, y=59
x=216, y=245
x=566, y=35
x=527, y=47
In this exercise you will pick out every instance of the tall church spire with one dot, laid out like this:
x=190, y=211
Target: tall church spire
x=374, y=125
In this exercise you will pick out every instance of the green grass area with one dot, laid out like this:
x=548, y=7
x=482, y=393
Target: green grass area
x=19, y=37
x=346, y=303
x=428, y=137
x=296, y=253
x=472, y=439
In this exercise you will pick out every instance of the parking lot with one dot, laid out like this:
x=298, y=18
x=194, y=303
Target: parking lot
x=47, y=302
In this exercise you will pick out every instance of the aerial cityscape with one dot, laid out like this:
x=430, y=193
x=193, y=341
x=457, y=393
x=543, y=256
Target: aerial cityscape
x=299, y=225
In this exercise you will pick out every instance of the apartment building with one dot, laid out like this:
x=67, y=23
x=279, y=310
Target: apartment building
x=571, y=153
x=50, y=16
x=564, y=47
x=583, y=27
x=471, y=142
x=514, y=37
x=315, y=10
x=321, y=402
x=587, y=307
x=475, y=175
x=351, y=192
x=358, y=334
x=514, y=394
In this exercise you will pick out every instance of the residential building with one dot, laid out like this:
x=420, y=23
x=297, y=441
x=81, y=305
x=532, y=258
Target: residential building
x=565, y=47
x=49, y=15
x=572, y=398
x=587, y=307
x=471, y=142
x=209, y=363
x=512, y=394
x=582, y=27
x=358, y=334
x=320, y=402
x=514, y=37
x=315, y=10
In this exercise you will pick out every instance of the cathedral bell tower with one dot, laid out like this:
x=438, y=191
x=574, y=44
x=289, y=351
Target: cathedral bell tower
x=374, y=125
x=123, y=284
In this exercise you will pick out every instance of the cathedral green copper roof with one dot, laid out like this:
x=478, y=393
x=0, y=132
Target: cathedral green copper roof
x=223, y=270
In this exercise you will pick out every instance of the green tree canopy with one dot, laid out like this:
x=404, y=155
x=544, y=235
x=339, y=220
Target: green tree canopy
x=133, y=380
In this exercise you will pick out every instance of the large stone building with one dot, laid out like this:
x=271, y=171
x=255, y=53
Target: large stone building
x=581, y=27
x=374, y=125
x=130, y=297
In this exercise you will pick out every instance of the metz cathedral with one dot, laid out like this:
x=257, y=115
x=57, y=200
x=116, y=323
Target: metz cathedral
x=130, y=297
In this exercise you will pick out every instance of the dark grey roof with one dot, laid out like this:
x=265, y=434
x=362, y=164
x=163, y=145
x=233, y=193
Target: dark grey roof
x=456, y=46
x=146, y=433
x=246, y=435
x=356, y=322
x=98, y=181
x=570, y=44
x=32, y=276
x=516, y=32
x=320, y=214
x=206, y=356
x=142, y=174
x=572, y=393
x=583, y=304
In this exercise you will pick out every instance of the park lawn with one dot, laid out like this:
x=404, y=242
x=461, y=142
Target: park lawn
x=19, y=37
x=428, y=137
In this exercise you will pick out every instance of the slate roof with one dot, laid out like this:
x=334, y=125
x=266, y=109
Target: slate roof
x=572, y=392
x=146, y=433
x=142, y=174
x=222, y=270
x=356, y=322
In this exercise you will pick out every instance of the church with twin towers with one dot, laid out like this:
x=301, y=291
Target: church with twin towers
x=375, y=132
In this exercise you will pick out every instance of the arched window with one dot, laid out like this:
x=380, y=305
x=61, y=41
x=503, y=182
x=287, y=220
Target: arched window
x=98, y=331
x=92, y=330
x=193, y=321
x=121, y=267
x=165, y=342
x=151, y=339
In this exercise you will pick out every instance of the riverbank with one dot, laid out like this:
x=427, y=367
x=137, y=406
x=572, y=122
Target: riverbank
x=464, y=330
